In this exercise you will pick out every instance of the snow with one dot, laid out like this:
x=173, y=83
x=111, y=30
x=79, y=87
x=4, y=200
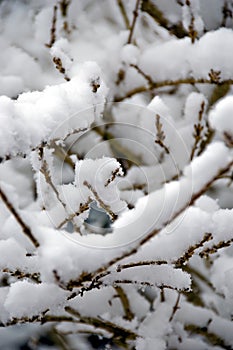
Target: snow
x=58, y=110
x=213, y=50
x=26, y=299
x=68, y=152
x=221, y=116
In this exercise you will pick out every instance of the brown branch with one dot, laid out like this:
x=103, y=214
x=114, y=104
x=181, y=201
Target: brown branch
x=198, y=128
x=113, y=176
x=59, y=66
x=53, y=28
x=42, y=318
x=117, y=331
x=211, y=338
x=152, y=10
x=35, y=277
x=146, y=76
x=135, y=16
x=144, y=284
x=175, y=307
x=211, y=250
x=193, y=272
x=160, y=134
x=165, y=83
x=189, y=253
x=82, y=209
x=124, y=14
x=125, y=303
x=25, y=228
x=119, y=268
x=100, y=201
x=45, y=171
x=191, y=29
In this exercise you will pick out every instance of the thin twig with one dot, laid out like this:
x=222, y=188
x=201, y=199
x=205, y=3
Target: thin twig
x=165, y=83
x=175, y=307
x=59, y=66
x=117, y=331
x=45, y=171
x=198, y=128
x=35, y=277
x=124, y=14
x=146, y=76
x=211, y=250
x=135, y=16
x=189, y=253
x=25, y=228
x=53, y=28
x=153, y=10
x=140, y=263
x=82, y=209
x=125, y=303
x=160, y=134
x=100, y=201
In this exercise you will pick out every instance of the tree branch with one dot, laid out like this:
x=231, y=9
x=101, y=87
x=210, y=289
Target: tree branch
x=25, y=228
x=164, y=83
x=135, y=16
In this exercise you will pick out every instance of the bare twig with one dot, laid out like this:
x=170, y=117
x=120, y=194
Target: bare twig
x=59, y=66
x=198, y=128
x=64, y=5
x=160, y=134
x=35, y=277
x=113, y=176
x=135, y=16
x=117, y=331
x=100, y=201
x=82, y=209
x=53, y=28
x=25, y=228
x=124, y=14
x=146, y=76
x=227, y=13
x=175, y=307
x=191, y=29
x=160, y=84
x=212, y=338
x=228, y=139
x=125, y=303
x=45, y=171
x=152, y=10
x=140, y=263
x=211, y=250
x=189, y=253
x=143, y=284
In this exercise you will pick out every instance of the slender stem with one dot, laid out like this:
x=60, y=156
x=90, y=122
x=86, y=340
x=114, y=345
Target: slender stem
x=117, y=331
x=25, y=228
x=175, y=307
x=165, y=83
x=124, y=14
x=135, y=16
x=125, y=302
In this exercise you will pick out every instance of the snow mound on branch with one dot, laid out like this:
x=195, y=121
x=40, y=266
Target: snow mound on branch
x=28, y=299
x=37, y=117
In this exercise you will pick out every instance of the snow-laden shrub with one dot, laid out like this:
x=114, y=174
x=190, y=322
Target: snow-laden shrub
x=116, y=137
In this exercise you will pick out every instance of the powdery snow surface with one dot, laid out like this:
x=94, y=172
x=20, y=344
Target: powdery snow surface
x=37, y=117
x=221, y=116
x=33, y=298
x=116, y=173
